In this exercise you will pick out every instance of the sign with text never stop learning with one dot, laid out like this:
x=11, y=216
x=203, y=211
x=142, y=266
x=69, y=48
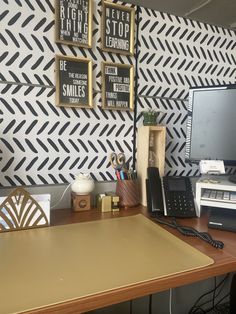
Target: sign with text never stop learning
x=117, y=28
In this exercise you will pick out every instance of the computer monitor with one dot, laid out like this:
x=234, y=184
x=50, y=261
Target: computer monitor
x=211, y=125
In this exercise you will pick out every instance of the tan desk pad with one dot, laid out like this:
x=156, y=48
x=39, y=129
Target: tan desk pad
x=45, y=266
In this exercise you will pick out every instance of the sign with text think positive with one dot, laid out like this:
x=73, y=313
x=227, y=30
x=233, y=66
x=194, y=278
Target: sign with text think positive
x=117, y=86
x=117, y=28
x=73, y=82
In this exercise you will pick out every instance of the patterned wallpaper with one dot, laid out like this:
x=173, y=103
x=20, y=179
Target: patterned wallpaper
x=44, y=144
x=39, y=142
x=174, y=54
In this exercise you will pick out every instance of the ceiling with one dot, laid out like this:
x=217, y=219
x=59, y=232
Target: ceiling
x=216, y=12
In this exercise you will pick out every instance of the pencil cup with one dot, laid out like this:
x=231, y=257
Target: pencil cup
x=128, y=192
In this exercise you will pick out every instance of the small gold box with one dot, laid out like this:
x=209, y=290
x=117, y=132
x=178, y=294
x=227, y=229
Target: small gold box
x=115, y=203
x=99, y=200
x=106, y=204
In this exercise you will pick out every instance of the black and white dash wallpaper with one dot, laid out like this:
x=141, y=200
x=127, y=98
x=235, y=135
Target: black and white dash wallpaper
x=175, y=54
x=44, y=144
x=40, y=142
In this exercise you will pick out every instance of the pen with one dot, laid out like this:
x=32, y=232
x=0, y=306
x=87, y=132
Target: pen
x=118, y=174
x=122, y=175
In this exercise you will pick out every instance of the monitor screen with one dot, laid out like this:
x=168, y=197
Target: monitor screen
x=211, y=124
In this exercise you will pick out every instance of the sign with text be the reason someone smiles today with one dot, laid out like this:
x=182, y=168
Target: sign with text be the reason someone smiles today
x=73, y=82
x=117, y=28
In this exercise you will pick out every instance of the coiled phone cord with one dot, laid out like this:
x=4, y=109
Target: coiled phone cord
x=189, y=231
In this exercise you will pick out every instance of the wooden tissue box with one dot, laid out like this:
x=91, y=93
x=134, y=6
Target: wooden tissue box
x=80, y=202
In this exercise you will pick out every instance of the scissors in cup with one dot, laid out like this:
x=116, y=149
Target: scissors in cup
x=118, y=161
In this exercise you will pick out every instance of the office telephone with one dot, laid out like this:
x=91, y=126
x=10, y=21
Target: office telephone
x=171, y=196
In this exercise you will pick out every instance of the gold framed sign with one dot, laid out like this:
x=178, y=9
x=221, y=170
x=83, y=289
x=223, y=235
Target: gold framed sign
x=118, y=28
x=73, y=22
x=117, y=86
x=73, y=82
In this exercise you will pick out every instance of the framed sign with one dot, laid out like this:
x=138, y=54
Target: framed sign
x=73, y=19
x=117, y=86
x=117, y=28
x=73, y=82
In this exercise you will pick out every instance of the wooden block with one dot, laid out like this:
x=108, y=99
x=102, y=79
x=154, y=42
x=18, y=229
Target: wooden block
x=157, y=146
x=80, y=202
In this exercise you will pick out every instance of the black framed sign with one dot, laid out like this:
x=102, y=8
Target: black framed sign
x=73, y=82
x=73, y=22
x=117, y=86
x=117, y=28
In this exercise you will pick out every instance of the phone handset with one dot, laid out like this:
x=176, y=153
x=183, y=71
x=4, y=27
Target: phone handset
x=154, y=191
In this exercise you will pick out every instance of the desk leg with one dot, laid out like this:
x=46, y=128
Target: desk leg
x=131, y=307
x=233, y=295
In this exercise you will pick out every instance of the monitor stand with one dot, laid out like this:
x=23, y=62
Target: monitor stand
x=232, y=178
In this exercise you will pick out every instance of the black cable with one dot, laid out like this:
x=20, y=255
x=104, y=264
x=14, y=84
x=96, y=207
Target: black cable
x=209, y=301
x=212, y=308
x=198, y=310
x=222, y=299
x=207, y=293
x=189, y=231
x=136, y=85
x=196, y=307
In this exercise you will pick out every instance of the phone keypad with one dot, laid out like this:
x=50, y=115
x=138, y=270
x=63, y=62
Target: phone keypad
x=179, y=203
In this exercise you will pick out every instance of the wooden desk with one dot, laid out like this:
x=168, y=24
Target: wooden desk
x=225, y=261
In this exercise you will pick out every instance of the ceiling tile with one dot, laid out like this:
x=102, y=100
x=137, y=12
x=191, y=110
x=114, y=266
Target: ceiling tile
x=216, y=12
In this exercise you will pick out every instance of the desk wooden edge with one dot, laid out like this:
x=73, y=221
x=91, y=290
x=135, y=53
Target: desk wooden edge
x=108, y=298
